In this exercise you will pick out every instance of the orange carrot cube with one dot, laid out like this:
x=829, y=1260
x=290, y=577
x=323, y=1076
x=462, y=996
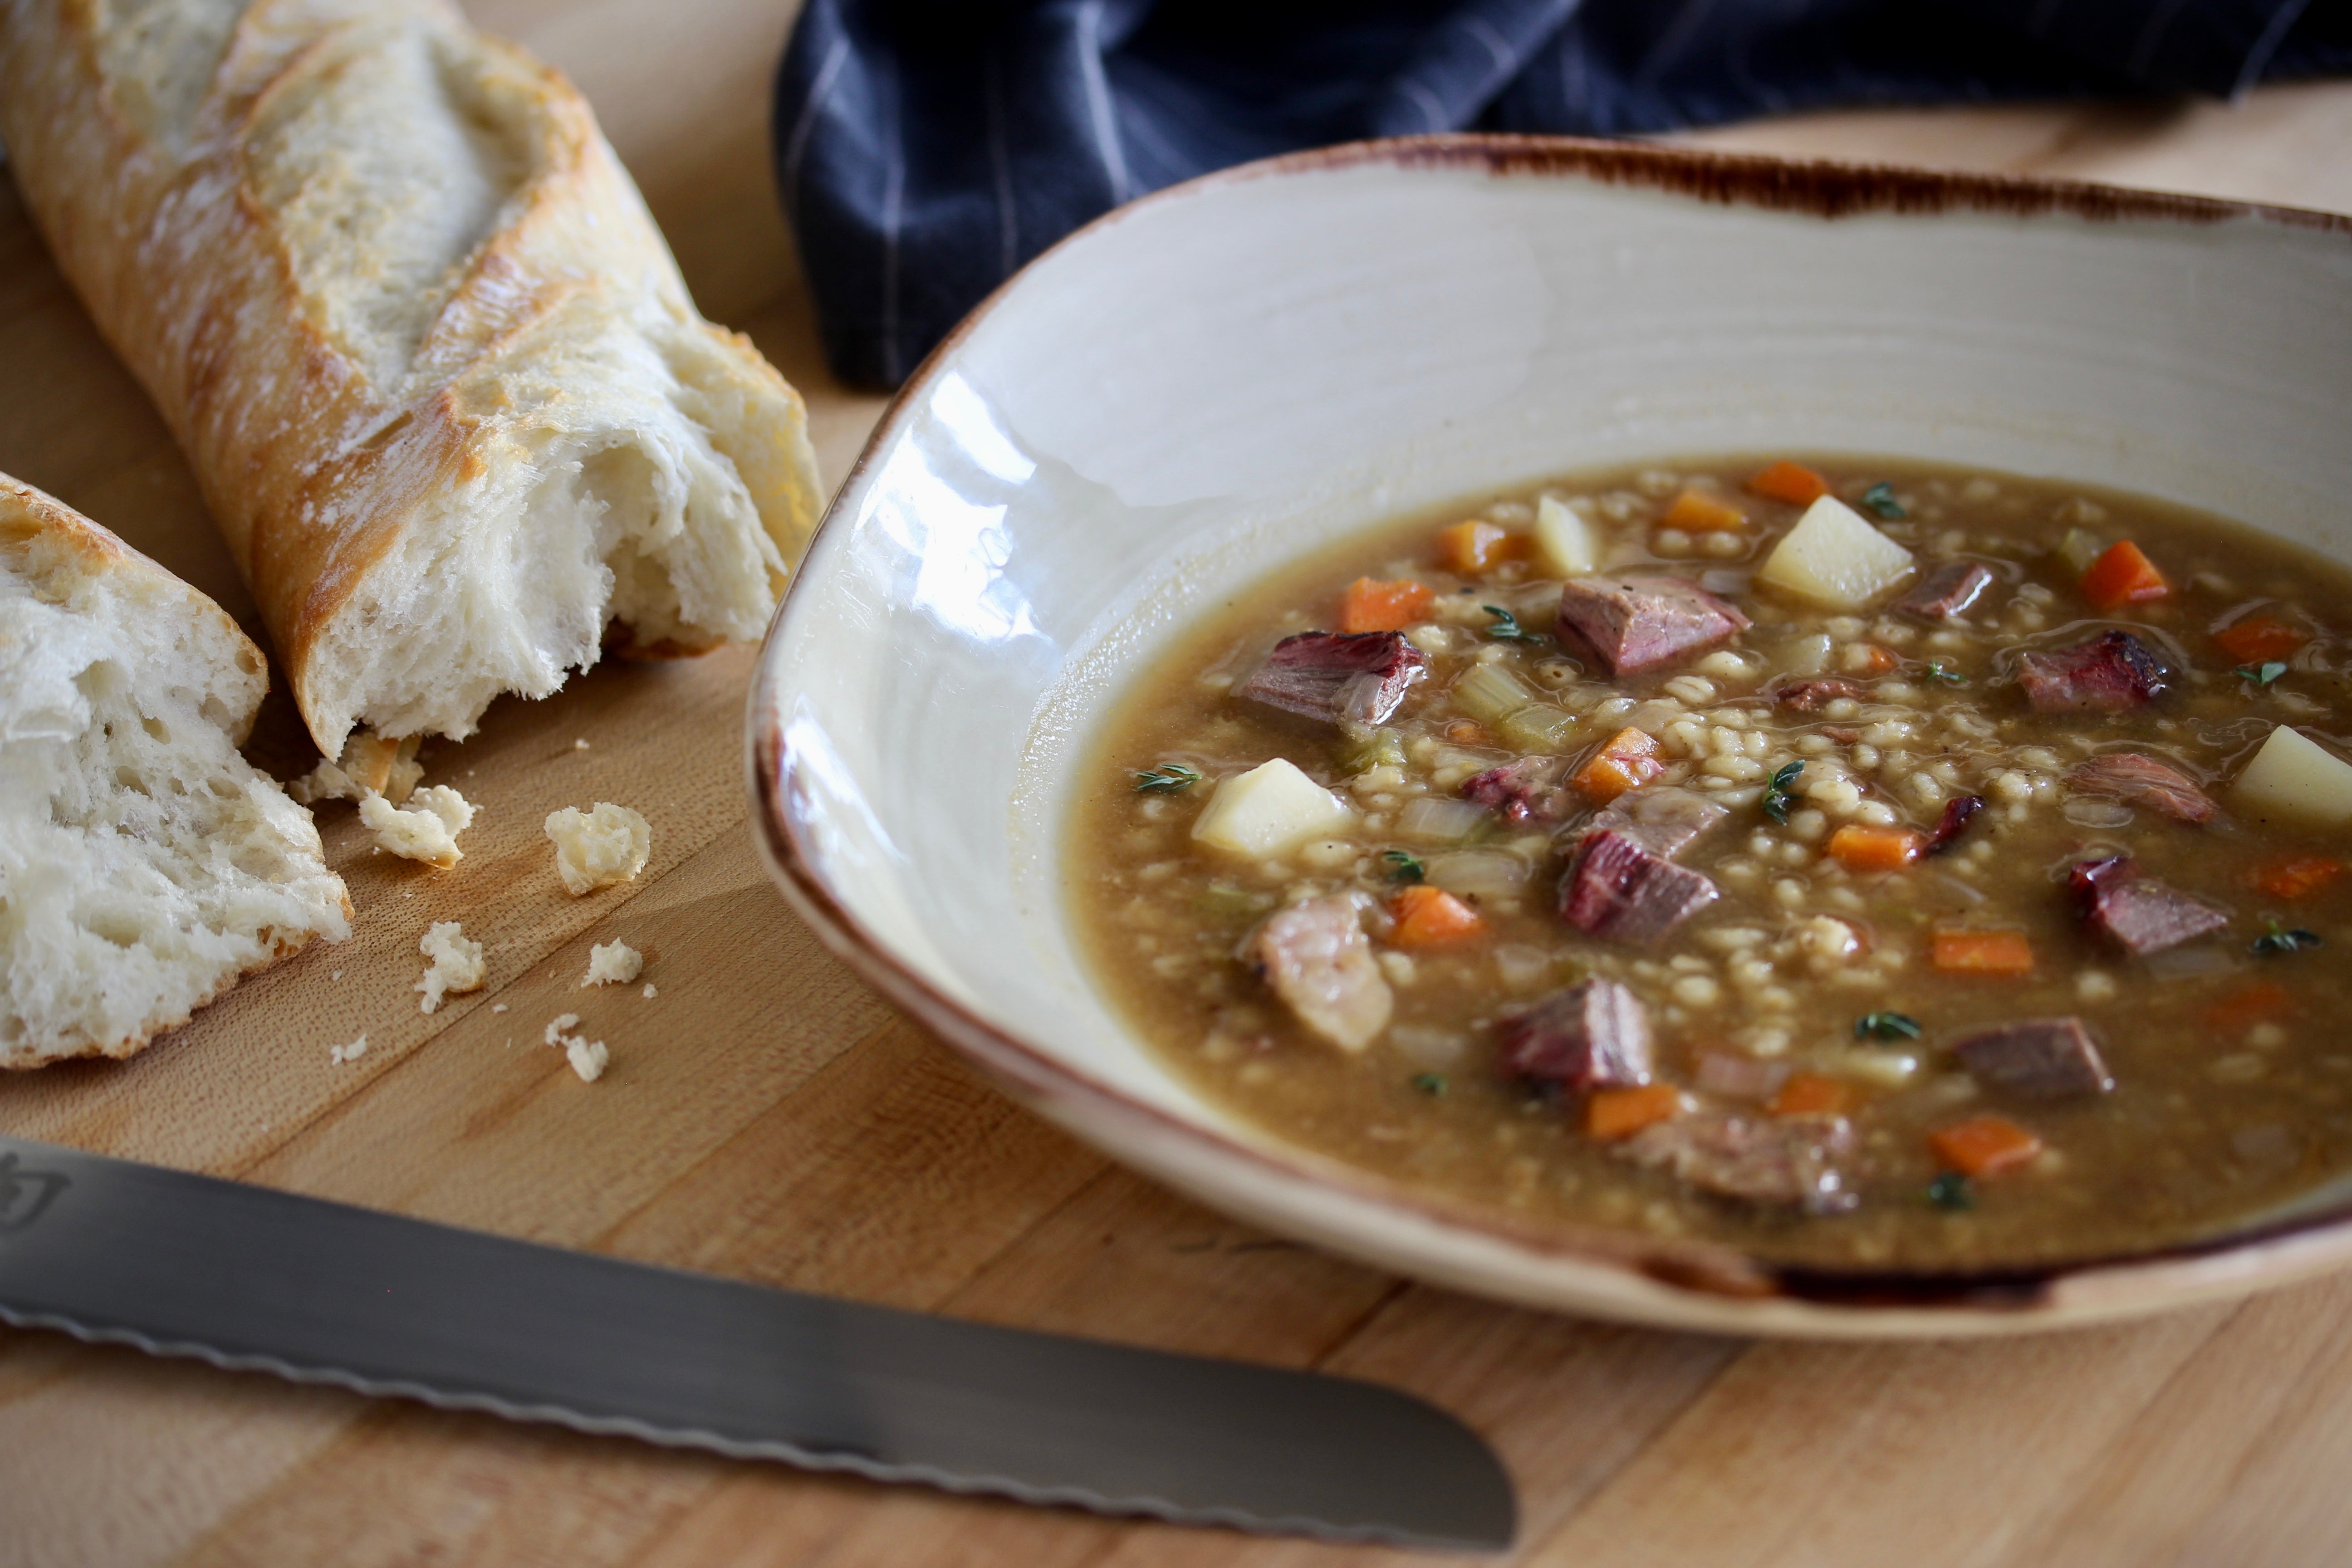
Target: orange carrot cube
x=2262, y=1002
x=1982, y=952
x=1628, y=761
x=1791, y=482
x=2260, y=638
x=2123, y=576
x=1622, y=1112
x=2297, y=877
x=1983, y=1146
x=1370, y=606
x=1432, y=916
x=1860, y=848
x=1477, y=545
x=1695, y=512
x=1811, y=1094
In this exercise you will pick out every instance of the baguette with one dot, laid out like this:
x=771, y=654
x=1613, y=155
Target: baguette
x=145, y=865
x=431, y=361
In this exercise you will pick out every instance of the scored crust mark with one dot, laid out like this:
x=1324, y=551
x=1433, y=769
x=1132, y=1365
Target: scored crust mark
x=446, y=395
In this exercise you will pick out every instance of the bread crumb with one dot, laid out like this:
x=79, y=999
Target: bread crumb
x=369, y=764
x=650, y=991
x=427, y=831
x=323, y=782
x=613, y=962
x=498, y=1006
x=588, y=1057
x=454, y=963
x=597, y=848
x=351, y=1053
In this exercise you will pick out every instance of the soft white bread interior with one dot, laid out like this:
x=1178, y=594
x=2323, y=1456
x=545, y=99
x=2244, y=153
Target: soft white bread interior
x=145, y=865
x=446, y=394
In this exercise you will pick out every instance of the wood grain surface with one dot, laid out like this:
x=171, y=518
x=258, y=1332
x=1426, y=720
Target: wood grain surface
x=768, y=1116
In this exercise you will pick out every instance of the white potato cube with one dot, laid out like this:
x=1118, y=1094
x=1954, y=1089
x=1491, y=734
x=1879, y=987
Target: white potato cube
x=2293, y=776
x=1835, y=558
x=1271, y=809
x=1564, y=546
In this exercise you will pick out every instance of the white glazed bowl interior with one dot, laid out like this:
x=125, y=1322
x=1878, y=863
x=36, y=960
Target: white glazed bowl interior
x=1212, y=382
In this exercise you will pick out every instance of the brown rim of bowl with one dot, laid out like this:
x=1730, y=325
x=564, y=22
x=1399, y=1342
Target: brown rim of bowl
x=1718, y=1273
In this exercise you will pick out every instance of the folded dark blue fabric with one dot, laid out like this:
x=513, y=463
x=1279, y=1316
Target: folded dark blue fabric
x=927, y=148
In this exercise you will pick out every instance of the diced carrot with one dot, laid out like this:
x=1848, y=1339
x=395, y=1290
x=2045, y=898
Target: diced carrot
x=1869, y=658
x=1695, y=512
x=1620, y=1113
x=1982, y=952
x=2258, y=639
x=1983, y=1145
x=2123, y=576
x=1791, y=482
x=1432, y=916
x=1810, y=1094
x=2297, y=877
x=1469, y=733
x=1477, y=545
x=2262, y=1002
x=1629, y=758
x=1371, y=605
x=1859, y=848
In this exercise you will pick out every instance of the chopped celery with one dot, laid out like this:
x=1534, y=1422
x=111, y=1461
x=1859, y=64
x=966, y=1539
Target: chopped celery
x=2080, y=549
x=1432, y=820
x=1489, y=692
x=1369, y=749
x=1539, y=727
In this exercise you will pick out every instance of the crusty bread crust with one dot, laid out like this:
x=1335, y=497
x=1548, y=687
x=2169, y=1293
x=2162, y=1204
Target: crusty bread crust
x=195, y=656
x=428, y=356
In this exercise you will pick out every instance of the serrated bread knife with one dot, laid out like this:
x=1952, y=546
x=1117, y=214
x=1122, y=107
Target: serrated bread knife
x=245, y=1278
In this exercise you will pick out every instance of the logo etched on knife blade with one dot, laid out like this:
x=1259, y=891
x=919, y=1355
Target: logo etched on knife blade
x=25, y=1193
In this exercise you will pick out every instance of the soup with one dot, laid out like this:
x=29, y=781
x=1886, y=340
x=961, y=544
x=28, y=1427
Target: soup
x=1866, y=864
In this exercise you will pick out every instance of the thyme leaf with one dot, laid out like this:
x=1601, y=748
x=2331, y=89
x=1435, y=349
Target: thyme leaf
x=1938, y=670
x=1431, y=1083
x=1781, y=793
x=1951, y=1190
x=1880, y=498
x=1885, y=1026
x=1506, y=628
x=1169, y=778
x=2279, y=939
x=2263, y=674
x=1403, y=867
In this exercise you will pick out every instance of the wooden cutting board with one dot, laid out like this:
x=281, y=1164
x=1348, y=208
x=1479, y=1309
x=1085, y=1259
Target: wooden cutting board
x=768, y=1116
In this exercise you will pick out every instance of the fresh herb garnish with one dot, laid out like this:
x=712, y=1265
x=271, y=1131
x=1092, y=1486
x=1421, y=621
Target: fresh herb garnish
x=1431, y=1083
x=1885, y=1026
x=1938, y=670
x=1782, y=792
x=2263, y=674
x=2279, y=939
x=1402, y=868
x=1169, y=778
x=1506, y=628
x=1951, y=1190
x=1880, y=498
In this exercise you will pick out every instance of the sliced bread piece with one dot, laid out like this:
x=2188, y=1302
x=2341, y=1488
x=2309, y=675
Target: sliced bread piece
x=145, y=865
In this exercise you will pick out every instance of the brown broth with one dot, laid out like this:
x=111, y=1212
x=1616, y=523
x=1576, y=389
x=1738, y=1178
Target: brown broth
x=2233, y=1068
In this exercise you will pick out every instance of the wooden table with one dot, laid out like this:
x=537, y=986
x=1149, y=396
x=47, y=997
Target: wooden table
x=768, y=1116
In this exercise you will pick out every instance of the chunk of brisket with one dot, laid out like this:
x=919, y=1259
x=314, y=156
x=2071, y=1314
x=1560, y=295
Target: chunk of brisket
x=1589, y=1037
x=1531, y=790
x=1662, y=819
x=2109, y=674
x=2040, y=1058
x=1958, y=812
x=2138, y=913
x=1791, y=1162
x=1313, y=955
x=1947, y=591
x=1634, y=623
x=1811, y=696
x=2144, y=781
x=1330, y=676
x=1617, y=888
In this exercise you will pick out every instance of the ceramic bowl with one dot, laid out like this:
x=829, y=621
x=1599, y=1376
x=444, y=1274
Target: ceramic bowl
x=1213, y=382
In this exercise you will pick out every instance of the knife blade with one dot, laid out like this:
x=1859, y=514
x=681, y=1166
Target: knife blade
x=249, y=1278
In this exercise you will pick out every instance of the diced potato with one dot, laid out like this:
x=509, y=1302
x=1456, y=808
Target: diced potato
x=1269, y=809
x=1564, y=544
x=2293, y=776
x=1835, y=558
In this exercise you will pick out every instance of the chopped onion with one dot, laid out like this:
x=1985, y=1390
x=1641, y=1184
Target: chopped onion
x=1440, y=821
x=2083, y=813
x=1522, y=967
x=1436, y=1049
x=1486, y=872
x=2183, y=962
x=1738, y=1078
